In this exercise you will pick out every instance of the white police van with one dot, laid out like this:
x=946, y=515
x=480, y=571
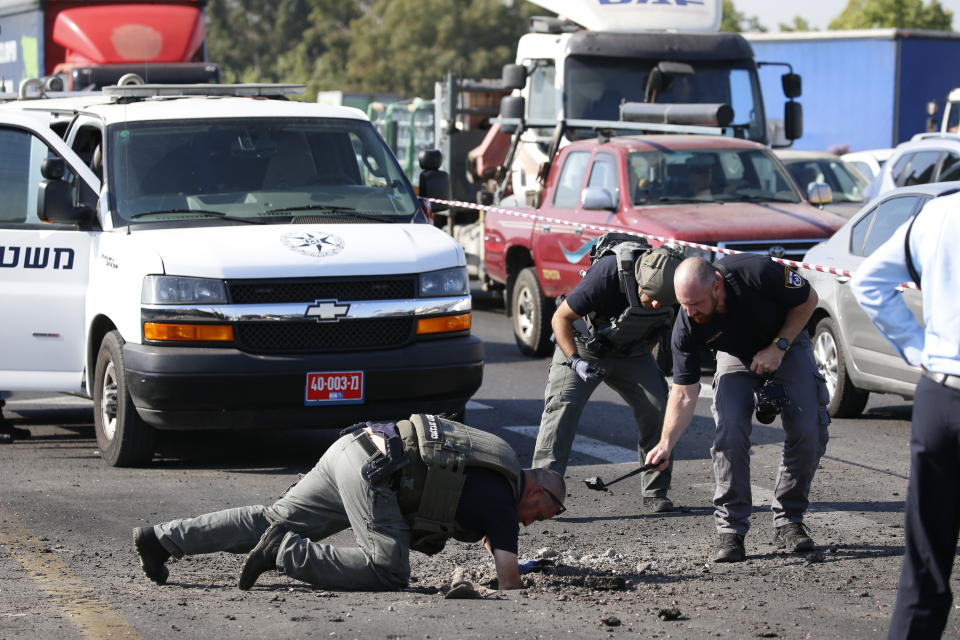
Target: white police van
x=207, y=257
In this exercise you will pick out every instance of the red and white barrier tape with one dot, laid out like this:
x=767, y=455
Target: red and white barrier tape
x=603, y=229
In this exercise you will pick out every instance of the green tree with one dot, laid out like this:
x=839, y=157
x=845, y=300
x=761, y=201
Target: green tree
x=901, y=14
x=736, y=22
x=405, y=46
x=275, y=40
x=798, y=24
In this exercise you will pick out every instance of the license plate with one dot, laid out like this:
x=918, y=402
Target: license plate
x=334, y=387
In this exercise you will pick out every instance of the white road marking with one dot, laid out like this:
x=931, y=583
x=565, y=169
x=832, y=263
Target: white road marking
x=587, y=446
x=706, y=391
x=473, y=404
x=59, y=400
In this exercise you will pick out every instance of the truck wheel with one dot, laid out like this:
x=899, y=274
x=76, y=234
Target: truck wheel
x=846, y=401
x=532, y=312
x=124, y=439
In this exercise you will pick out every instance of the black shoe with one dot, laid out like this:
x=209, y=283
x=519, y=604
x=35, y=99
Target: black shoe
x=793, y=537
x=152, y=554
x=263, y=557
x=14, y=433
x=658, y=504
x=730, y=548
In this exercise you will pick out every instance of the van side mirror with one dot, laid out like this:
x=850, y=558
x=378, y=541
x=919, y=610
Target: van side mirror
x=434, y=183
x=55, y=197
x=514, y=76
x=792, y=85
x=430, y=159
x=792, y=120
x=512, y=107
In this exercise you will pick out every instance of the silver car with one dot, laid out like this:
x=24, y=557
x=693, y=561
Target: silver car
x=851, y=354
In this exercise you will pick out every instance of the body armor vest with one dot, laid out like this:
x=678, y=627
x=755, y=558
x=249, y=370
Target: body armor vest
x=430, y=487
x=638, y=329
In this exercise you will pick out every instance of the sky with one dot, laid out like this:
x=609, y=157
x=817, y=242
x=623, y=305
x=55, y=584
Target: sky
x=818, y=13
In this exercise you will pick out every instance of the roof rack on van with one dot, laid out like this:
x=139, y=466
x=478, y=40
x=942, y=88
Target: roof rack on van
x=244, y=90
x=935, y=134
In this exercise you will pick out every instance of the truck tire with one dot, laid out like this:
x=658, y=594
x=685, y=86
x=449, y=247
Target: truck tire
x=124, y=439
x=846, y=401
x=531, y=312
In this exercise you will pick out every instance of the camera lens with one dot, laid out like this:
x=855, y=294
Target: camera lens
x=765, y=417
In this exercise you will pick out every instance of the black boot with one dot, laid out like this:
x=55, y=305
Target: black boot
x=153, y=556
x=263, y=557
x=7, y=429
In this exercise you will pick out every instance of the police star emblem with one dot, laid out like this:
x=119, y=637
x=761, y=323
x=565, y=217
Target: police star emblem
x=316, y=245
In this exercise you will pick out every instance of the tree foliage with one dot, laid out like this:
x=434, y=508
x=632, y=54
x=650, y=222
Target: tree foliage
x=736, y=22
x=901, y=14
x=398, y=46
x=798, y=24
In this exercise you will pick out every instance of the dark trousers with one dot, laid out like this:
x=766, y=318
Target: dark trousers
x=932, y=519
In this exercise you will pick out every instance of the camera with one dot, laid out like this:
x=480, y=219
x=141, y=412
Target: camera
x=771, y=401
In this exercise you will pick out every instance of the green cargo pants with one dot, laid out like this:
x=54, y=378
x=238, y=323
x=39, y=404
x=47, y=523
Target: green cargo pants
x=331, y=497
x=639, y=382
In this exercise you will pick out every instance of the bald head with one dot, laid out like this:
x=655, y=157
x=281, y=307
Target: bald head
x=543, y=494
x=698, y=291
x=694, y=275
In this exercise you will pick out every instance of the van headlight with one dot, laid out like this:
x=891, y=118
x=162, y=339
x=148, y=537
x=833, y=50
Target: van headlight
x=447, y=282
x=178, y=290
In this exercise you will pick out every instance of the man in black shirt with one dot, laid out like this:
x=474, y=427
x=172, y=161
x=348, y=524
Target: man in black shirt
x=400, y=486
x=626, y=296
x=754, y=313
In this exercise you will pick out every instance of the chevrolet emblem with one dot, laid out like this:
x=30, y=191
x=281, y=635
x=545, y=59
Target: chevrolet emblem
x=327, y=311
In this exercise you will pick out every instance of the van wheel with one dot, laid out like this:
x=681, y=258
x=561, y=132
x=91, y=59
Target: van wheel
x=846, y=401
x=531, y=312
x=124, y=439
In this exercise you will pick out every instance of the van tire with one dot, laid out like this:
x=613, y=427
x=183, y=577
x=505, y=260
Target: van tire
x=123, y=438
x=531, y=312
x=846, y=400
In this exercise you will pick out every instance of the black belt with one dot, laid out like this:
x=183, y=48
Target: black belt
x=944, y=379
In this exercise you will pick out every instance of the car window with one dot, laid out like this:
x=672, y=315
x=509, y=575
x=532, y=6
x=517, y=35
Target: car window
x=950, y=169
x=23, y=154
x=919, y=170
x=876, y=227
x=604, y=174
x=571, y=179
x=863, y=168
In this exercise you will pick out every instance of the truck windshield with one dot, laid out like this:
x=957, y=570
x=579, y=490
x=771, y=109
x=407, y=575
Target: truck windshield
x=707, y=175
x=594, y=87
x=268, y=169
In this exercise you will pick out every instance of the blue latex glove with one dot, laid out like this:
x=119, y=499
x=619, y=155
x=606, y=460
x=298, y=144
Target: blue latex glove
x=587, y=371
x=529, y=566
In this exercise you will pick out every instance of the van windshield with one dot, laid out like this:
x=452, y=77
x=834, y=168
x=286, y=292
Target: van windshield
x=265, y=169
x=707, y=175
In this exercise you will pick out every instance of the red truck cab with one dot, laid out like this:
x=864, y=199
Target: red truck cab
x=720, y=191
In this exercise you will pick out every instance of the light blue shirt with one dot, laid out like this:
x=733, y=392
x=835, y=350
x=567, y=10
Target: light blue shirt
x=935, y=249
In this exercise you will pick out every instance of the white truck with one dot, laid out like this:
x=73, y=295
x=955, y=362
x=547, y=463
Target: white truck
x=207, y=257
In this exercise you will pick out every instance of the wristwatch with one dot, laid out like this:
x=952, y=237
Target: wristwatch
x=782, y=343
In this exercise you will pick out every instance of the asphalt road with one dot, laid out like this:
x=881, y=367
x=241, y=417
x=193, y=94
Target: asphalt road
x=67, y=569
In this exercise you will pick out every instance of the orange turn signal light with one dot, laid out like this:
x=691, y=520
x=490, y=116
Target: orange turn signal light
x=188, y=332
x=444, y=324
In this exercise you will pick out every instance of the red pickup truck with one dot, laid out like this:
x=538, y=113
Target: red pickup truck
x=713, y=190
